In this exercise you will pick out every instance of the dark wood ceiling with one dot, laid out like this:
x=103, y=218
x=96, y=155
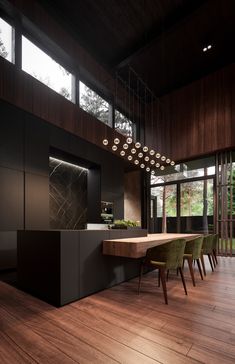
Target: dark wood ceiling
x=162, y=40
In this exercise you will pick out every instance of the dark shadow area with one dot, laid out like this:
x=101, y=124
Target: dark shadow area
x=9, y=276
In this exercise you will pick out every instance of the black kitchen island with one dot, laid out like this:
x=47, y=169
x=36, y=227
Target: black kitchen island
x=61, y=266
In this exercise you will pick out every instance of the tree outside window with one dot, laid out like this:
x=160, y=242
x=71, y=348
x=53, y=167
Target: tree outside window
x=94, y=104
x=123, y=125
x=45, y=69
x=5, y=40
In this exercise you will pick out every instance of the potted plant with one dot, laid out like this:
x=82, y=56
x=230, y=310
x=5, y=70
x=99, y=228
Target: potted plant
x=125, y=224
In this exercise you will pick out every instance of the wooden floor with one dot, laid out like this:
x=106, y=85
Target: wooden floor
x=118, y=326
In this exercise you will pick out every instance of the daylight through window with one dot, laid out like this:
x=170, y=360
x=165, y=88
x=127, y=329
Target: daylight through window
x=6, y=33
x=95, y=105
x=123, y=125
x=41, y=66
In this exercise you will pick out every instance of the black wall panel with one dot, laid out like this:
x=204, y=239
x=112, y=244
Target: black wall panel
x=79, y=147
x=25, y=146
x=94, y=196
x=36, y=145
x=8, y=244
x=59, y=138
x=36, y=202
x=12, y=200
x=11, y=137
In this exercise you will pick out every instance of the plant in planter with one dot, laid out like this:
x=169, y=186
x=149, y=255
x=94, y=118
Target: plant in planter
x=124, y=224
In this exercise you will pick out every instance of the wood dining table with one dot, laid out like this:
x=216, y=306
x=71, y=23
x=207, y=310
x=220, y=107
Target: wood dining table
x=136, y=247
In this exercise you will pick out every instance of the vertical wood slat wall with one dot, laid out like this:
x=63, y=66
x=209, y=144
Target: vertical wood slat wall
x=197, y=119
x=225, y=217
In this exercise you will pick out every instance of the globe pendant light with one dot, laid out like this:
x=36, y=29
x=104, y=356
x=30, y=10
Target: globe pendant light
x=116, y=141
x=129, y=140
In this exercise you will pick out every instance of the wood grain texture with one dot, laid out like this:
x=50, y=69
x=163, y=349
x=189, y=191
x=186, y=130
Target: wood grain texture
x=136, y=247
x=197, y=119
x=119, y=326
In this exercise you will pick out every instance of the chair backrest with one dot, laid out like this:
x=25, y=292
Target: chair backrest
x=194, y=247
x=215, y=241
x=170, y=253
x=207, y=245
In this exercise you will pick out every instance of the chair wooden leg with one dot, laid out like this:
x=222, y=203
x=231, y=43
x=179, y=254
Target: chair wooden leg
x=190, y=265
x=140, y=276
x=213, y=259
x=163, y=279
x=167, y=275
x=215, y=255
x=182, y=277
x=199, y=268
x=159, y=277
x=203, y=264
x=210, y=260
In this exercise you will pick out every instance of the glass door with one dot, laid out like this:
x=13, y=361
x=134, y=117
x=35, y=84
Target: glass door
x=197, y=206
x=163, y=211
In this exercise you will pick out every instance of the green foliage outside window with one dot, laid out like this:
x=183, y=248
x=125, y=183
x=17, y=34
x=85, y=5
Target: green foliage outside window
x=95, y=105
x=3, y=51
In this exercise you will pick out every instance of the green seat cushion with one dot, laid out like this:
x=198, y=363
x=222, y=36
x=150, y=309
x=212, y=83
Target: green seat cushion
x=162, y=264
x=188, y=255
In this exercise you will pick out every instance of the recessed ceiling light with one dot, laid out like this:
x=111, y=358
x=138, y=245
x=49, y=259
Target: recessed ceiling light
x=205, y=49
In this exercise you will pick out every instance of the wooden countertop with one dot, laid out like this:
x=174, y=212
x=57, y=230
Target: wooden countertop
x=136, y=247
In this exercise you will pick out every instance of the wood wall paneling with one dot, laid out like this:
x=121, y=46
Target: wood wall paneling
x=197, y=119
x=132, y=196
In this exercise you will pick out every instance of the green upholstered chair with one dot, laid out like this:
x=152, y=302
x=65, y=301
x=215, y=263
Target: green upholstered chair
x=192, y=252
x=164, y=257
x=207, y=249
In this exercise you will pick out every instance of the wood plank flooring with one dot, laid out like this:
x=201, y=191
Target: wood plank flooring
x=118, y=326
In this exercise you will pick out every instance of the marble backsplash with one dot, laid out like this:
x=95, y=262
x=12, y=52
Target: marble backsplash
x=68, y=195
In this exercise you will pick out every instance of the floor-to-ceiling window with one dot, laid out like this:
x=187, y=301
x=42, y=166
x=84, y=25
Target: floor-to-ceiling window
x=182, y=197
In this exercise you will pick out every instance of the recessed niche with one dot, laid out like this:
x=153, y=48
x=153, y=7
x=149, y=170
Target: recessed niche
x=68, y=195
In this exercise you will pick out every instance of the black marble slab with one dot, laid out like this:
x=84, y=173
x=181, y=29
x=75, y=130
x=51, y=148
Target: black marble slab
x=68, y=196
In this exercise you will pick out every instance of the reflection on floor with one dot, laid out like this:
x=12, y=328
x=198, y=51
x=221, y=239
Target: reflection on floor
x=117, y=325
